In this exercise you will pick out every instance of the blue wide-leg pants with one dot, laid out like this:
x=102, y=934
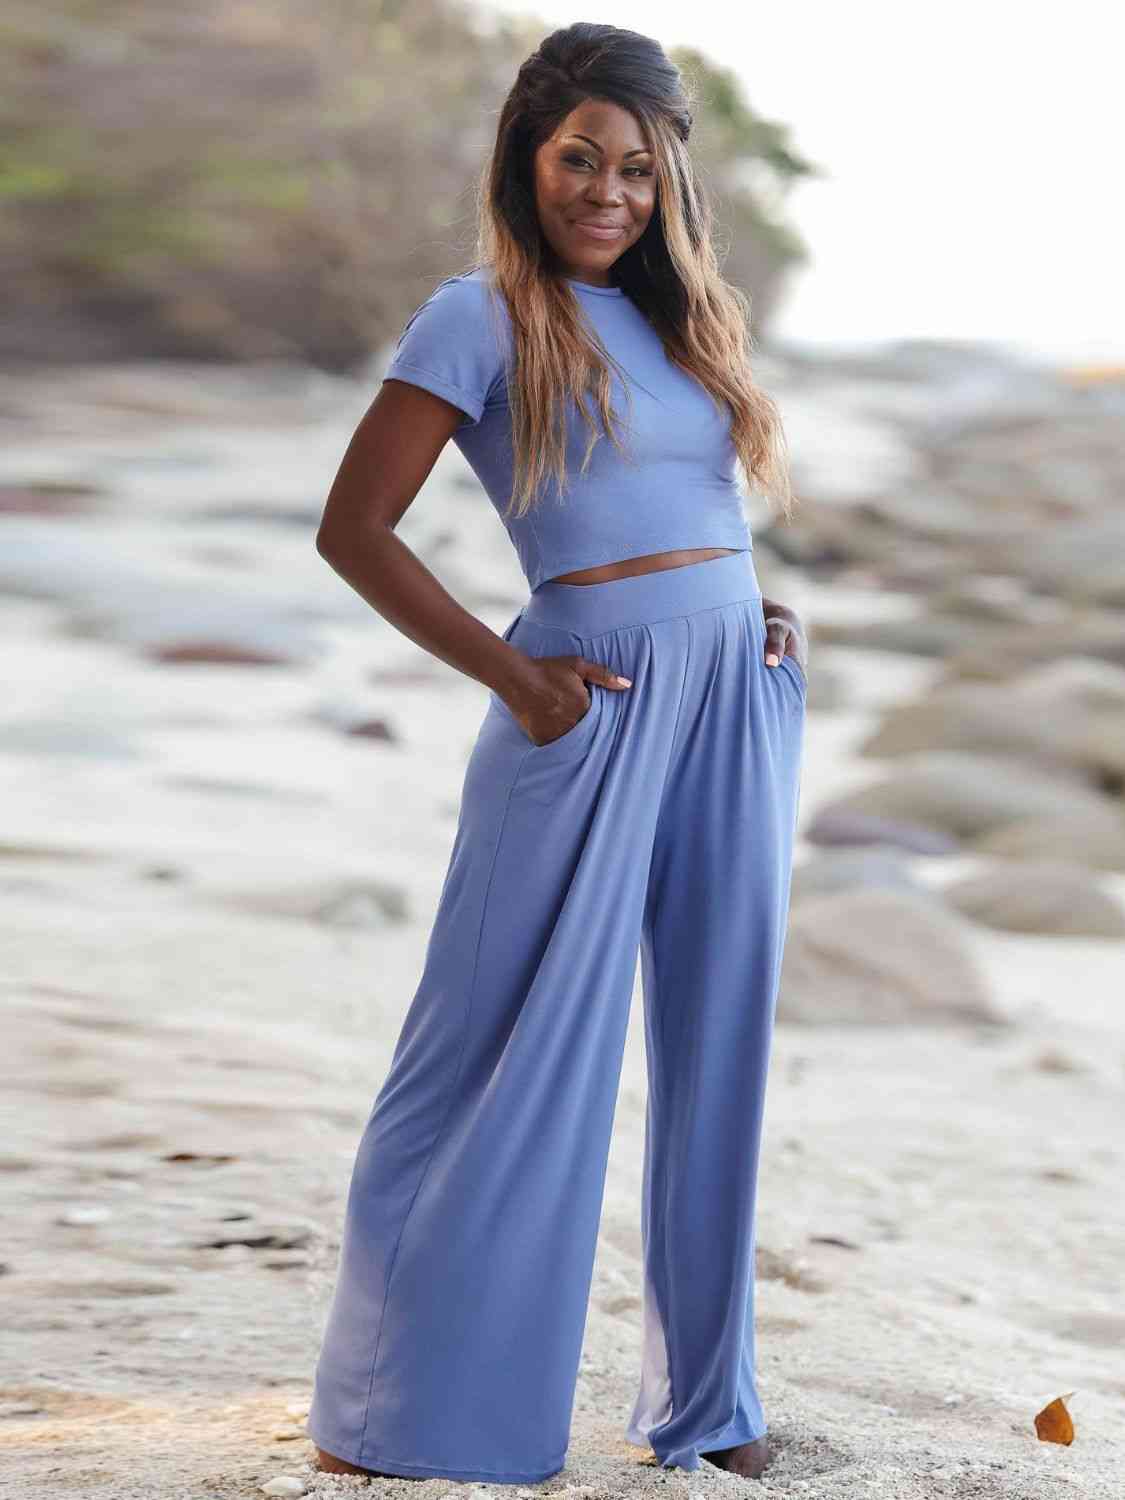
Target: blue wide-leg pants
x=662, y=822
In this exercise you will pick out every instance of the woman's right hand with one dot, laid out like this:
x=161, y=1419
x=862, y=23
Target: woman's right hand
x=551, y=696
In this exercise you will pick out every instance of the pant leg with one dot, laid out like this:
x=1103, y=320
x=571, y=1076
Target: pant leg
x=453, y=1343
x=711, y=953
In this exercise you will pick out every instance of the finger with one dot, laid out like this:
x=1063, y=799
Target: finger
x=778, y=632
x=596, y=671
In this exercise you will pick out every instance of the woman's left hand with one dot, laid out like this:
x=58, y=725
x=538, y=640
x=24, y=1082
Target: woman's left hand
x=785, y=635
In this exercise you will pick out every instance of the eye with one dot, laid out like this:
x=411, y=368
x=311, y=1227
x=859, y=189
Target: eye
x=581, y=161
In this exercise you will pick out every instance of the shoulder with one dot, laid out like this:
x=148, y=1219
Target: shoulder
x=457, y=344
x=467, y=304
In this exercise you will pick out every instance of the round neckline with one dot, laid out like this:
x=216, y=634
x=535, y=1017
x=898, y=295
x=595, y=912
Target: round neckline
x=598, y=291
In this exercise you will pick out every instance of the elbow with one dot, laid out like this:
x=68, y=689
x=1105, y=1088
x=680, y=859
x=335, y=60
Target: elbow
x=341, y=537
x=327, y=541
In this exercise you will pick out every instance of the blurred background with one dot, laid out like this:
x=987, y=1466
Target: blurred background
x=230, y=789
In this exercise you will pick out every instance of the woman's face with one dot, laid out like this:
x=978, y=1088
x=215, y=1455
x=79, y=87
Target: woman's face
x=595, y=188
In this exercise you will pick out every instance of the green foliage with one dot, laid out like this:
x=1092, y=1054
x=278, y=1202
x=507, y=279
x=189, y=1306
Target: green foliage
x=283, y=179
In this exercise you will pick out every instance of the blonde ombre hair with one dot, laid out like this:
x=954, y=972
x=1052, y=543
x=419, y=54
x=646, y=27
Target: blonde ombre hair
x=671, y=274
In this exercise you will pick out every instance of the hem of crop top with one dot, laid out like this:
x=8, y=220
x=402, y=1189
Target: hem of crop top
x=575, y=563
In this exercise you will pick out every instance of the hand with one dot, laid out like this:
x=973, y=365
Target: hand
x=785, y=635
x=551, y=696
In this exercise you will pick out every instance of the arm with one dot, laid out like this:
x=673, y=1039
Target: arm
x=388, y=459
x=386, y=463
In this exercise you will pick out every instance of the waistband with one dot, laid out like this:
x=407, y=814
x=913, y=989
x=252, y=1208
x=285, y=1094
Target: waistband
x=642, y=598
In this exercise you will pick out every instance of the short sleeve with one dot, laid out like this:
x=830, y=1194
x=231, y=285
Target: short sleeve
x=451, y=346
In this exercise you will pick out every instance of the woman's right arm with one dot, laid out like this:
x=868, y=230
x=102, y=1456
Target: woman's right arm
x=386, y=463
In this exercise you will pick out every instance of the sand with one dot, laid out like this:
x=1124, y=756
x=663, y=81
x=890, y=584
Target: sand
x=215, y=905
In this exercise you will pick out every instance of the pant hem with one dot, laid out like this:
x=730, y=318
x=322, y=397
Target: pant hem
x=690, y=1457
x=372, y=1460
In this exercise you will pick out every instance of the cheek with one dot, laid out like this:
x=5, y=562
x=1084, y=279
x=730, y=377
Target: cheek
x=643, y=211
x=546, y=188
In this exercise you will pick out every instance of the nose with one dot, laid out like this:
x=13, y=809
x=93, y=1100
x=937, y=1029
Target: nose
x=603, y=195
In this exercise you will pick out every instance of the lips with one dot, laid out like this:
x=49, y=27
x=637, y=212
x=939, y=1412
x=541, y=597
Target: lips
x=599, y=229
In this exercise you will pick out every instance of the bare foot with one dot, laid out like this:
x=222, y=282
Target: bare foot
x=747, y=1460
x=328, y=1463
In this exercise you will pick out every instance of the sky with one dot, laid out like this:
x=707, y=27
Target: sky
x=969, y=153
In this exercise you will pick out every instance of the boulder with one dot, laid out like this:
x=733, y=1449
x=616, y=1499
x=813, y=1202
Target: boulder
x=832, y=827
x=881, y=957
x=1093, y=839
x=968, y=795
x=1043, y=895
x=851, y=869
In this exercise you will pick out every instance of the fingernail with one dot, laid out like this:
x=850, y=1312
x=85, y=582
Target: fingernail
x=772, y=661
x=624, y=681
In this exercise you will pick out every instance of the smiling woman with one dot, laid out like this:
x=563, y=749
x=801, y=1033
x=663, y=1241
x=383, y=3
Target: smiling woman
x=633, y=788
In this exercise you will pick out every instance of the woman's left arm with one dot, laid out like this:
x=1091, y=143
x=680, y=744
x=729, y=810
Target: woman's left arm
x=785, y=635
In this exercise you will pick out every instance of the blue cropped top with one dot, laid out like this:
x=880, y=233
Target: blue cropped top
x=678, y=489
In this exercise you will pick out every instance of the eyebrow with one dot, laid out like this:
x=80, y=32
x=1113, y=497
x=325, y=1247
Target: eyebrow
x=640, y=150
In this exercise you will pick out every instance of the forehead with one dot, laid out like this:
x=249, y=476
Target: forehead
x=610, y=125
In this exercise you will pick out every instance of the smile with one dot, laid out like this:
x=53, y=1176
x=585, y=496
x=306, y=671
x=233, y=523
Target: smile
x=600, y=231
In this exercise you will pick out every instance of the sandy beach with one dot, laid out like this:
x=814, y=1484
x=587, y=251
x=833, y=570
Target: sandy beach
x=229, y=795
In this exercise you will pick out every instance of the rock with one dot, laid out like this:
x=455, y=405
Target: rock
x=824, y=536
x=969, y=794
x=918, y=635
x=372, y=729
x=995, y=599
x=368, y=905
x=46, y=497
x=1040, y=896
x=849, y=869
x=831, y=827
x=1069, y=714
x=773, y=1265
x=1104, y=586
x=963, y=716
x=1055, y=1060
x=1013, y=649
x=114, y=593
x=1071, y=553
x=1098, y=747
x=262, y=1237
x=222, y=653
x=85, y=1213
x=1095, y=839
x=284, y=1485
x=937, y=515
x=880, y=957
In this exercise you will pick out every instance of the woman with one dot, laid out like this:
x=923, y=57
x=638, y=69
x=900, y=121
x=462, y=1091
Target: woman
x=634, y=784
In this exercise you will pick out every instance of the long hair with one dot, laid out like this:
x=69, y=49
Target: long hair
x=671, y=273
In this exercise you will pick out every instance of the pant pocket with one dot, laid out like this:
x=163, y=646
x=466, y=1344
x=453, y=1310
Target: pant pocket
x=539, y=643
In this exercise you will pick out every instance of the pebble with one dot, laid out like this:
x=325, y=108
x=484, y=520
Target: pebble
x=84, y=1213
x=284, y=1485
